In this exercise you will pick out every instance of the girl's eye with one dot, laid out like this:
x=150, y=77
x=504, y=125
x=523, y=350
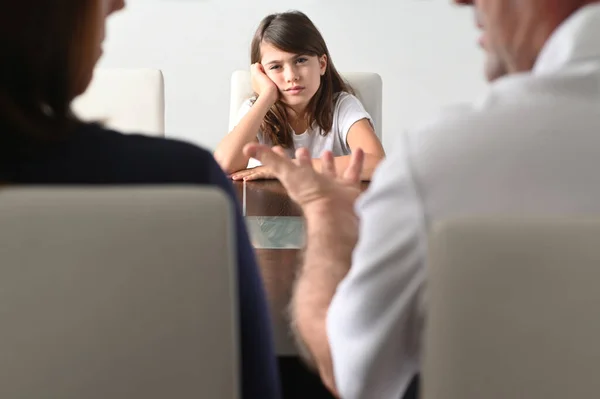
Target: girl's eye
x=301, y=60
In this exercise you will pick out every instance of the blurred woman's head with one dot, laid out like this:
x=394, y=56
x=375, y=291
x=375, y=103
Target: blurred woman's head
x=49, y=50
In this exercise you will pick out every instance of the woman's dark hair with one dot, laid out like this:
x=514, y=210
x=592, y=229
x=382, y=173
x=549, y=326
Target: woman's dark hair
x=49, y=49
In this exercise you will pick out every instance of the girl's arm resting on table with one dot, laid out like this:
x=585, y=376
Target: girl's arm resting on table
x=229, y=152
x=361, y=135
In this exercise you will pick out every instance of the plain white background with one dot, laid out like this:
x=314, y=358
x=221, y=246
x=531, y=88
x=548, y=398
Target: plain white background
x=425, y=50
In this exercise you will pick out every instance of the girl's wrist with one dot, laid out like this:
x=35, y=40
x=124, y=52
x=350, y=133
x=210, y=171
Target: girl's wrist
x=269, y=98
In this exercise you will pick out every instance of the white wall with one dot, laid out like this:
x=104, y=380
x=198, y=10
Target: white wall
x=425, y=51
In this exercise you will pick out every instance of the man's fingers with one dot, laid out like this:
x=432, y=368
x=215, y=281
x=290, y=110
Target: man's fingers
x=303, y=157
x=279, y=150
x=328, y=164
x=251, y=149
x=276, y=163
x=354, y=170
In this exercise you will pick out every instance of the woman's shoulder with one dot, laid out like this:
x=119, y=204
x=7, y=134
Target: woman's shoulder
x=99, y=134
x=140, y=148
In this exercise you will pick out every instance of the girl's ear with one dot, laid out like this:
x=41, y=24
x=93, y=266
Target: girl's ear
x=323, y=64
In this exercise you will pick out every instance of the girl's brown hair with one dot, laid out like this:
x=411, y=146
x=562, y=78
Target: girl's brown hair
x=49, y=50
x=294, y=32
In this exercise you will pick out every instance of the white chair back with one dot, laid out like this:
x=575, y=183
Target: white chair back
x=127, y=100
x=117, y=293
x=513, y=310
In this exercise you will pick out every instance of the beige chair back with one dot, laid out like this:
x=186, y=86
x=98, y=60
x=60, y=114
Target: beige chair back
x=126, y=100
x=513, y=310
x=120, y=293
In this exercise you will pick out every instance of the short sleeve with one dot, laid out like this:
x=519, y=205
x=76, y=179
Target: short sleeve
x=349, y=110
x=246, y=105
x=244, y=109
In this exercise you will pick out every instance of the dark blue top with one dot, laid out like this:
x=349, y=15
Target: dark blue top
x=94, y=155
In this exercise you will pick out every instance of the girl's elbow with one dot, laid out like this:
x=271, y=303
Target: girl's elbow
x=226, y=164
x=370, y=165
x=374, y=158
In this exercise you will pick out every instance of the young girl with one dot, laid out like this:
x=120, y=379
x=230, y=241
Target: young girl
x=300, y=101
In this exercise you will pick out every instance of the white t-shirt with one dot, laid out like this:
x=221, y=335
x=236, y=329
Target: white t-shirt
x=348, y=110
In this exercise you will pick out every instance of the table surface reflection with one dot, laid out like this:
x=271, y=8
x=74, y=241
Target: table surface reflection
x=276, y=227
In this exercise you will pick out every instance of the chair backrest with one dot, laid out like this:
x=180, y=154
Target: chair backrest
x=513, y=310
x=117, y=293
x=367, y=85
x=127, y=100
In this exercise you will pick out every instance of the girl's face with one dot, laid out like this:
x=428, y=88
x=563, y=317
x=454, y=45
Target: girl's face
x=297, y=76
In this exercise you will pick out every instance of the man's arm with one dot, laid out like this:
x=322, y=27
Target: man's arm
x=327, y=201
x=331, y=236
x=375, y=321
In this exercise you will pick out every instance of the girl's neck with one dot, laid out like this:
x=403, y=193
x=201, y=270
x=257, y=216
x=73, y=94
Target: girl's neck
x=297, y=113
x=298, y=121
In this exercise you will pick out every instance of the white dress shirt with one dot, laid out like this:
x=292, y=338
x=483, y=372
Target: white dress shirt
x=531, y=147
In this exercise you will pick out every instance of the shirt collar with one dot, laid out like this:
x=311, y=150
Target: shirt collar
x=576, y=39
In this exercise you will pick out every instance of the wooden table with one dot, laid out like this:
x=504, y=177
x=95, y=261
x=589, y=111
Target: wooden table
x=276, y=228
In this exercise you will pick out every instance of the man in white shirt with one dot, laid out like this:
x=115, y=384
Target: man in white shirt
x=531, y=146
